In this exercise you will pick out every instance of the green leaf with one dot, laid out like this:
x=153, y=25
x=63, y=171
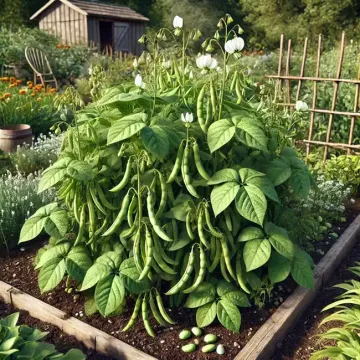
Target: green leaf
x=266, y=186
x=73, y=354
x=46, y=210
x=78, y=262
x=224, y=287
x=51, y=274
x=51, y=178
x=248, y=174
x=256, y=253
x=251, y=233
x=206, y=314
x=300, y=182
x=301, y=270
x=252, y=135
x=57, y=224
x=229, y=315
x=109, y=294
x=115, y=95
x=279, y=268
x=80, y=170
x=279, y=239
x=278, y=171
x=220, y=133
x=223, y=195
x=251, y=204
x=155, y=140
x=204, y=294
x=126, y=127
x=60, y=250
x=32, y=228
x=237, y=297
x=224, y=175
x=131, y=274
x=11, y=320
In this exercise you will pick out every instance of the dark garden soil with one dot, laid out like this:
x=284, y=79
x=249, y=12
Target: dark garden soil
x=303, y=340
x=18, y=271
x=62, y=342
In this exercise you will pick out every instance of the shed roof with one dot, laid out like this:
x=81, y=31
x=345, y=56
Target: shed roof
x=97, y=9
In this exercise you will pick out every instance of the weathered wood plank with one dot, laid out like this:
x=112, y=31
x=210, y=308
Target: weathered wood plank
x=262, y=345
x=5, y=290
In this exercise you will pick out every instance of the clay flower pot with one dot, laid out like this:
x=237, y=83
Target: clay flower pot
x=11, y=136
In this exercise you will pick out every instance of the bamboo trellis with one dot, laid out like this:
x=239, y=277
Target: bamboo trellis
x=286, y=79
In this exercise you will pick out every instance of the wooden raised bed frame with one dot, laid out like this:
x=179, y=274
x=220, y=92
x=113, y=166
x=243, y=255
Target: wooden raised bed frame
x=260, y=347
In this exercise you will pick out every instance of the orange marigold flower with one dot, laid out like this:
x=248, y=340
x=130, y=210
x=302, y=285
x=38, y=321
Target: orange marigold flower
x=22, y=92
x=18, y=82
x=59, y=46
x=6, y=78
x=67, y=47
x=52, y=91
x=29, y=83
x=7, y=95
x=12, y=79
x=30, y=86
x=33, y=94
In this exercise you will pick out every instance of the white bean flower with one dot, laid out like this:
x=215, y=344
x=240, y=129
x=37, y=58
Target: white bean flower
x=187, y=117
x=166, y=64
x=234, y=45
x=139, y=81
x=135, y=63
x=206, y=62
x=301, y=106
x=178, y=22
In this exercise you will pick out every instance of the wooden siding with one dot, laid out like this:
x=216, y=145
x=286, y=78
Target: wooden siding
x=66, y=23
x=130, y=42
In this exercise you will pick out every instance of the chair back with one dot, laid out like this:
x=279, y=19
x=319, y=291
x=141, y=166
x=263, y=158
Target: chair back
x=38, y=61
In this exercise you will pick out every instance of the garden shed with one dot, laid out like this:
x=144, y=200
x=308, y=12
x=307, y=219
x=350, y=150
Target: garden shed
x=90, y=22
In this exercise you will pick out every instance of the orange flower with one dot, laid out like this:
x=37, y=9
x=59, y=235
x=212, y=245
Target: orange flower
x=7, y=95
x=22, y=92
x=59, y=46
x=12, y=79
x=52, y=91
x=67, y=47
x=33, y=94
x=6, y=78
x=18, y=82
x=30, y=86
x=12, y=85
x=29, y=83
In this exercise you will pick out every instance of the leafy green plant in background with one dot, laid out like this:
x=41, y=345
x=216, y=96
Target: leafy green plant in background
x=22, y=342
x=154, y=199
x=346, y=340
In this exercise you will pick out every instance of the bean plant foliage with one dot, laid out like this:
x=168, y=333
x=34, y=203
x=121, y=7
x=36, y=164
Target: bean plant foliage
x=168, y=189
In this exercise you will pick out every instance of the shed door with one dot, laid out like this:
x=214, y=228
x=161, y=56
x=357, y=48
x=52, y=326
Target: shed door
x=121, y=37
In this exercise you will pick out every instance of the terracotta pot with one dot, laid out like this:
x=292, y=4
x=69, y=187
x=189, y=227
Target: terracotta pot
x=11, y=136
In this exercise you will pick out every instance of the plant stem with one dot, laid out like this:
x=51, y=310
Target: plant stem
x=222, y=91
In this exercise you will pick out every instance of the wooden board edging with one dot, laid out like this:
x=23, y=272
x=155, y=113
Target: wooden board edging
x=263, y=344
x=91, y=337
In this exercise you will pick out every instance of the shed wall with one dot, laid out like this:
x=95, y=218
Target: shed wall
x=64, y=22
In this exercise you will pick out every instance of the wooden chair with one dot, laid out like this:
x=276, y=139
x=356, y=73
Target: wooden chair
x=41, y=67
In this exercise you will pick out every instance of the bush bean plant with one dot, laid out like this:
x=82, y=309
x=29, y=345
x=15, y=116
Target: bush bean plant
x=23, y=342
x=168, y=190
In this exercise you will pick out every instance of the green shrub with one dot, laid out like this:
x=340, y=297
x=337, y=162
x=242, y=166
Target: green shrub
x=22, y=342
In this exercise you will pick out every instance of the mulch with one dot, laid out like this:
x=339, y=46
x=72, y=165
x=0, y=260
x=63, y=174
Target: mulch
x=17, y=270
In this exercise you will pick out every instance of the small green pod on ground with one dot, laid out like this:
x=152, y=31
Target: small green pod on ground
x=185, y=334
x=208, y=348
x=328, y=225
x=196, y=331
x=210, y=338
x=220, y=350
x=188, y=348
x=323, y=228
x=343, y=219
x=334, y=235
x=320, y=219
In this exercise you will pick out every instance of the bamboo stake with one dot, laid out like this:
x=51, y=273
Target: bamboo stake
x=312, y=113
x=336, y=89
x=351, y=135
x=287, y=70
x=302, y=69
x=311, y=78
x=334, y=145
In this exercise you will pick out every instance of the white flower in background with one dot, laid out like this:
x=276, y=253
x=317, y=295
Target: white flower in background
x=301, y=106
x=139, y=81
x=187, y=117
x=135, y=63
x=178, y=22
x=90, y=71
x=235, y=45
x=166, y=64
x=206, y=62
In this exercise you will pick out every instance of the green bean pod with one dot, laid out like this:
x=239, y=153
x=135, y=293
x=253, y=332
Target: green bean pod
x=134, y=315
x=233, y=81
x=228, y=220
x=198, y=163
x=92, y=215
x=132, y=207
x=162, y=310
x=188, y=226
x=157, y=228
x=127, y=233
x=217, y=256
x=213, y=97
x=125, y=178
x=223, y=268
x=201, y=232
x=103, y=199
x=240, y=273
x=185, y=277
x=136, y=250
x=209, y=114
x=145, y=317
x=163, y=198
x=155, y=311
x=238, y=92
x=76, y=207
x=81, y=227
x=162, y=252
x=186, y=173
x=199, y=109
x=201, y=274
x=212, y=230
x=102, y=227
x=177, y=164
x=227, y=258
x=96, y=201
x=149, y=255
x=120, y=217
x=162, y=264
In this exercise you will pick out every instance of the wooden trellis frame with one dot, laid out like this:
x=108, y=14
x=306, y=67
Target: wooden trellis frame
x=286, y=79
